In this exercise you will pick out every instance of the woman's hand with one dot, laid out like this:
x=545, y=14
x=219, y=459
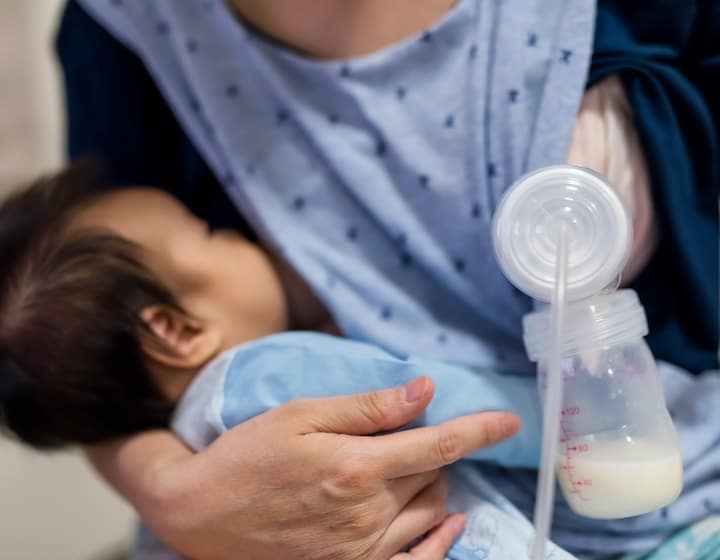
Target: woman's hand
x=304, y=481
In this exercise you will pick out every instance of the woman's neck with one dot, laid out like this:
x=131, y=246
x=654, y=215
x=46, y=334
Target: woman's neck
x=336, y=29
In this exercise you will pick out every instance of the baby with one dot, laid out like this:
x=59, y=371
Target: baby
x=122, y=312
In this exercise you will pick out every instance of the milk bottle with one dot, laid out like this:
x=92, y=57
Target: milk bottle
x=617, y=451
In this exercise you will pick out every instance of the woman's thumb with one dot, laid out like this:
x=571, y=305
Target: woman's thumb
x=368, y=413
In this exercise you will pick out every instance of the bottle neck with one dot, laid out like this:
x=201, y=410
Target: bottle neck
x=601, y=320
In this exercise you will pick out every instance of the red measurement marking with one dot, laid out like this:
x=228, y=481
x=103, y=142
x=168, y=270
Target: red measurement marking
x=570, y=411
x=567, y=466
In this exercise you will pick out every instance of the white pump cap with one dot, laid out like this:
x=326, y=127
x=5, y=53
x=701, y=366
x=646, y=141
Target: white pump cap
x=527, y=224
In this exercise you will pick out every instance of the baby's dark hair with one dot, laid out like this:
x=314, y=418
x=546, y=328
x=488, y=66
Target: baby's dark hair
x=72, y=369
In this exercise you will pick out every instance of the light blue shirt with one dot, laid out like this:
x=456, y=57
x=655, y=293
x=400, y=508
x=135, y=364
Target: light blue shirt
x=377, y=177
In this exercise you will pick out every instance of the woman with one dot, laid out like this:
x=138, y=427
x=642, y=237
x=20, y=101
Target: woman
x=336, y=175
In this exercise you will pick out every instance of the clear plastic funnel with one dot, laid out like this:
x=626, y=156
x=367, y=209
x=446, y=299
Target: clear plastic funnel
x=526, y=230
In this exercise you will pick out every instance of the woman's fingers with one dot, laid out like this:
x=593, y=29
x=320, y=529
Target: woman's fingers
x=424, y=512
x=424, y=449
x=438, y=541
x=364, y=413
x=404, y=490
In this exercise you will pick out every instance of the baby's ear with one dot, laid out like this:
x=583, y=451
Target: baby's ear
x=177, y=340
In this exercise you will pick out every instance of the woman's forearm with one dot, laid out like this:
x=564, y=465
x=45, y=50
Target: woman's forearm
x=132, y=465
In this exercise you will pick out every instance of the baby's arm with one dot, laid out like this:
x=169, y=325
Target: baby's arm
x=283, y=367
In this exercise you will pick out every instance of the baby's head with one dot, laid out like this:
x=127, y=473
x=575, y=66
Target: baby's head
x=111, y=303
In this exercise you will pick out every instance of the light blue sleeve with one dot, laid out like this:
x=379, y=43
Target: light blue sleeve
x=274, y=370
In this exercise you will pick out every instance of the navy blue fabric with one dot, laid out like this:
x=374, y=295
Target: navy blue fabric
x=666, y=53
x=116, y=114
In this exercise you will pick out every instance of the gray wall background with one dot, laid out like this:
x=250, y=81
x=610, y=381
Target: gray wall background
x=52, y=507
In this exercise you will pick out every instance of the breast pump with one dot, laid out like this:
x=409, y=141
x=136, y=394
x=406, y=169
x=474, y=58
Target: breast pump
x=562, y=236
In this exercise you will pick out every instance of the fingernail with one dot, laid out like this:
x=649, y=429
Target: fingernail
x=508, y=425
x=415, y=389
x=458, y=523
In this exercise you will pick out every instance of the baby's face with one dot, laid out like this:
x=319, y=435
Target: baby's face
x=217, y=276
